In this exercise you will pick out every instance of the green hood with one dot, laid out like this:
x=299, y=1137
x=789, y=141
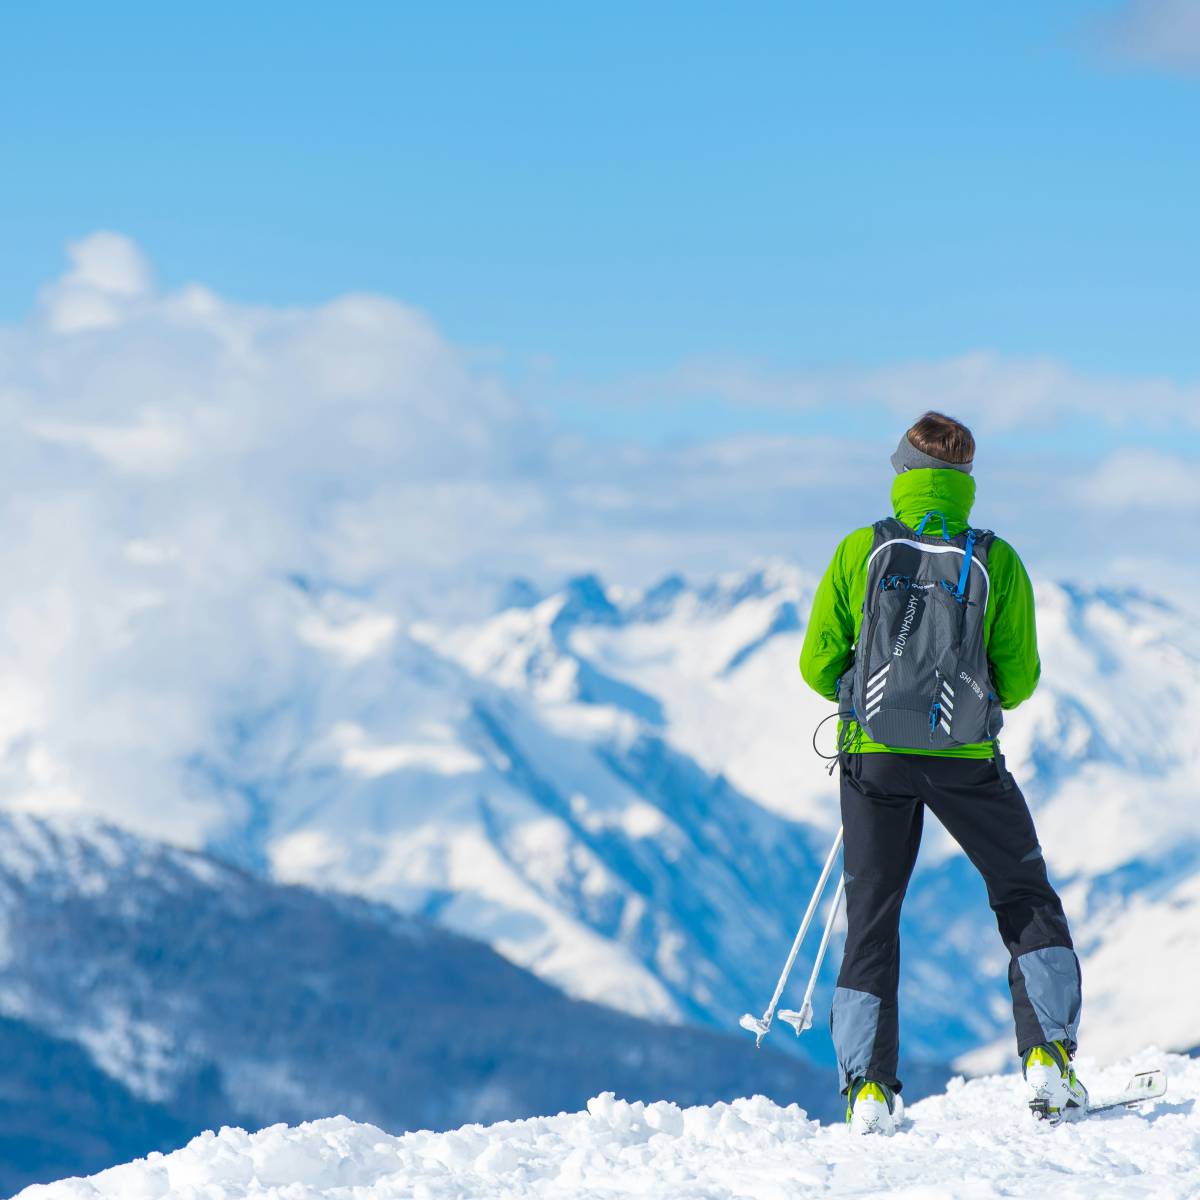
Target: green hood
x=915, y=493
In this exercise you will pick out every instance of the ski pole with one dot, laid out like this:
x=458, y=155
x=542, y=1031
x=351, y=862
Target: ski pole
x=802, y=1020
x=761, y=1026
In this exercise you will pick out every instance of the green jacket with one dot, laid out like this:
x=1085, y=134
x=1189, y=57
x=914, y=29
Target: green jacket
x=1009, y=631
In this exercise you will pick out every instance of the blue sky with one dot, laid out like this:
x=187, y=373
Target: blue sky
x=590, y=195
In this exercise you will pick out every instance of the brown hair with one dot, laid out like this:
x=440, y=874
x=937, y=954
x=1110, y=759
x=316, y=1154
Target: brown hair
x=943, y=437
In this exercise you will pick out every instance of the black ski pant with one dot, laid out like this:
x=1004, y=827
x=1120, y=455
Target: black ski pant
x=884, y=797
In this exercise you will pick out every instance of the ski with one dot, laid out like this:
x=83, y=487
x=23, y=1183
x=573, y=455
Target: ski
x=1145, y=1085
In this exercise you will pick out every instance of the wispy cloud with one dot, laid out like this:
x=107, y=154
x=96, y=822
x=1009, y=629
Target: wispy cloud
x=991, y=391
x=1140, y=481
x=1160, y=34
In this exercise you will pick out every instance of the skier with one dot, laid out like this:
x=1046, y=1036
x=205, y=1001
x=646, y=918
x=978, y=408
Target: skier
x=922, y=630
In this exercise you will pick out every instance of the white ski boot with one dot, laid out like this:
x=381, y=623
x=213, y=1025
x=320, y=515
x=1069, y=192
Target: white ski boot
x=871, y=1108
x=1053, y=1089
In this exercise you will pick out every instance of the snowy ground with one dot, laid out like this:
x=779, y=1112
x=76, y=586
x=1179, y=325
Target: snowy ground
x=973, y=1143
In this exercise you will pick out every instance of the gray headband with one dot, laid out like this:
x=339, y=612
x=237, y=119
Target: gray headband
x=909, y=458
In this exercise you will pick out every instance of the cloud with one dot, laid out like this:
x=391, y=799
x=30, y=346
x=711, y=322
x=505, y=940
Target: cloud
x=1140, y=481
x=992, y=392
x=1160, y=34
x=180, y=471
x=108, y=275
x=173, y=464
x=152, y=446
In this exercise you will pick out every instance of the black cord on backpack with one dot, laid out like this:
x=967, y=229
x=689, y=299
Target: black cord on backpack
x=843, y=740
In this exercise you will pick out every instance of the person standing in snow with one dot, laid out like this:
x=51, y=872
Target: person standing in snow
x=922, y=630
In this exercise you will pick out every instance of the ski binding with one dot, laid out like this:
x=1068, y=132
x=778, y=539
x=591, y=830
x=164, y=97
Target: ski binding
x=1145, y=1085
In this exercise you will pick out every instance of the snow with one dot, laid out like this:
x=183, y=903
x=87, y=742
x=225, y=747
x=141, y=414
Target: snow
x=1147, y=939
x=354, y=640
x=442, y=757
x=974, y=1142
x=693, y=649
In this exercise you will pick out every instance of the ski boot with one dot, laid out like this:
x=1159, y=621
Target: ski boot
x=871, y=1108
x=1054, y=1091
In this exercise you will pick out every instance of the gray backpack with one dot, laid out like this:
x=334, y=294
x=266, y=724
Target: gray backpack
x=920, y=678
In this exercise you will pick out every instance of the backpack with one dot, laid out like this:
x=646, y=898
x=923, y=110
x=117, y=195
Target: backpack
x=920, y=678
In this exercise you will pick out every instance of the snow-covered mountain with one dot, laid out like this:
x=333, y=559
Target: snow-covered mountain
x=577, y=838
x=972, y=1143
x=547, y=806
x=652, y=752
x=148, y=993
x=617, y=790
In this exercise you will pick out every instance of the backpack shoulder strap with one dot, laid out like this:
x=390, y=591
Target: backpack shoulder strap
x=983, y=541
x=889, y=529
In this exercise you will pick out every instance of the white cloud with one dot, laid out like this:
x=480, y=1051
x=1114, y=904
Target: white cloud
x=1162, y=34
x=169, y=469
x=152, y=446
x=170, y=460
x=1131, y=481
x=989, y=391
x=109, y=263
x=108, y=275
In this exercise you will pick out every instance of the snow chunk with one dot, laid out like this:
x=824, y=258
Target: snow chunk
x=972, y=1143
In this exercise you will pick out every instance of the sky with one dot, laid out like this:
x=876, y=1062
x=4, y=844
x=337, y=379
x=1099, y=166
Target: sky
x=667, y=281
x=619, y=206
